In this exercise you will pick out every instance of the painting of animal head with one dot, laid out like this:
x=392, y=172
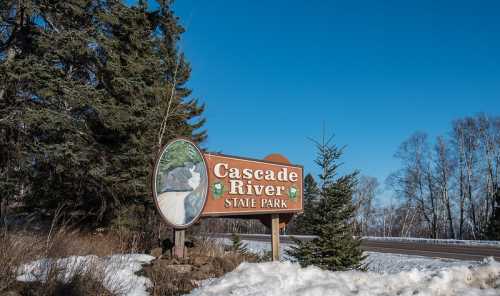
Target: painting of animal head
x=180, y=183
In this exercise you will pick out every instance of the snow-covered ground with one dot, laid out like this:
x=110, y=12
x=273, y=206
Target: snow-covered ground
x=388, y=274
x=395, y=263
x=286, y=278
x=117, y=272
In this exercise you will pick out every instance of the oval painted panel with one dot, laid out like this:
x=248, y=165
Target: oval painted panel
x=180, y=183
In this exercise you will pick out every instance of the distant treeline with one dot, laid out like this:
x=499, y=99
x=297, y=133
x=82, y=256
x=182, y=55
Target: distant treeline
x=446, y=188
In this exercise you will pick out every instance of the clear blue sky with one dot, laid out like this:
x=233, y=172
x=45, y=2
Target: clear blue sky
x=272, y=72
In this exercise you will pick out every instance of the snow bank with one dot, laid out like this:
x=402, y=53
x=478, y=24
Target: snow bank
x=395, y=263
x=117, y=272
x=285, y=278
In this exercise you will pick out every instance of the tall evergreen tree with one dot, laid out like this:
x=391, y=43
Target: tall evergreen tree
x=335, y=247
x=85, y=86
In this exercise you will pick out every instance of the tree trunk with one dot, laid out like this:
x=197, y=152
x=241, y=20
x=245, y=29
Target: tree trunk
x=3, y=211
x=433, y=206
x=451, y=231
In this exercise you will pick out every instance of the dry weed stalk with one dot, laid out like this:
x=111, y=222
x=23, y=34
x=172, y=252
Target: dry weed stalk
x=206, y=246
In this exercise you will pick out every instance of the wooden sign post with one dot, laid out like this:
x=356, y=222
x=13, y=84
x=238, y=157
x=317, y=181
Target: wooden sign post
x=179, y=243
x=275, y=218
x=275, y=236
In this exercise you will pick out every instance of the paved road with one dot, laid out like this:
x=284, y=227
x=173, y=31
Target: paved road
x=461, y=252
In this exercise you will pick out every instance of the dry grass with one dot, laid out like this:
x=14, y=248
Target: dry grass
x=207, y=259
x=13, y=252
x=66, y=243
x=20, y=248
x=167, y=281
x=206, y=246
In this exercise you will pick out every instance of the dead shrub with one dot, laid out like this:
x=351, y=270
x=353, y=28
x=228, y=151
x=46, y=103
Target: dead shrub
x=206, y=246
x=166, y=281
x=65, y=243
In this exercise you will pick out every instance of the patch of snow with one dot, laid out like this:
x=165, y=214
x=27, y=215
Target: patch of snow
x=117, y=272
x=286, y=278
x=394, y=263
x=257, y=247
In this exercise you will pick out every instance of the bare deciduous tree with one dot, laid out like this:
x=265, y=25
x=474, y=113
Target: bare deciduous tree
x=364, y=197
x=444, y=167
x=450, y=189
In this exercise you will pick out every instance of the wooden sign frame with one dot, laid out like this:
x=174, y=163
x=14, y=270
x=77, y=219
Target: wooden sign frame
x=270, y=217
x=153, y=183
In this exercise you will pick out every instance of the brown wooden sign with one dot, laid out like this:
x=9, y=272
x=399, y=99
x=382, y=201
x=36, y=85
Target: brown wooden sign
x=241, y=186
x=188, y=184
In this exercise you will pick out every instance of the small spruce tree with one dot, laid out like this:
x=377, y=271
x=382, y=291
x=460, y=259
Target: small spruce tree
x=335, y=247
x=238, y=246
